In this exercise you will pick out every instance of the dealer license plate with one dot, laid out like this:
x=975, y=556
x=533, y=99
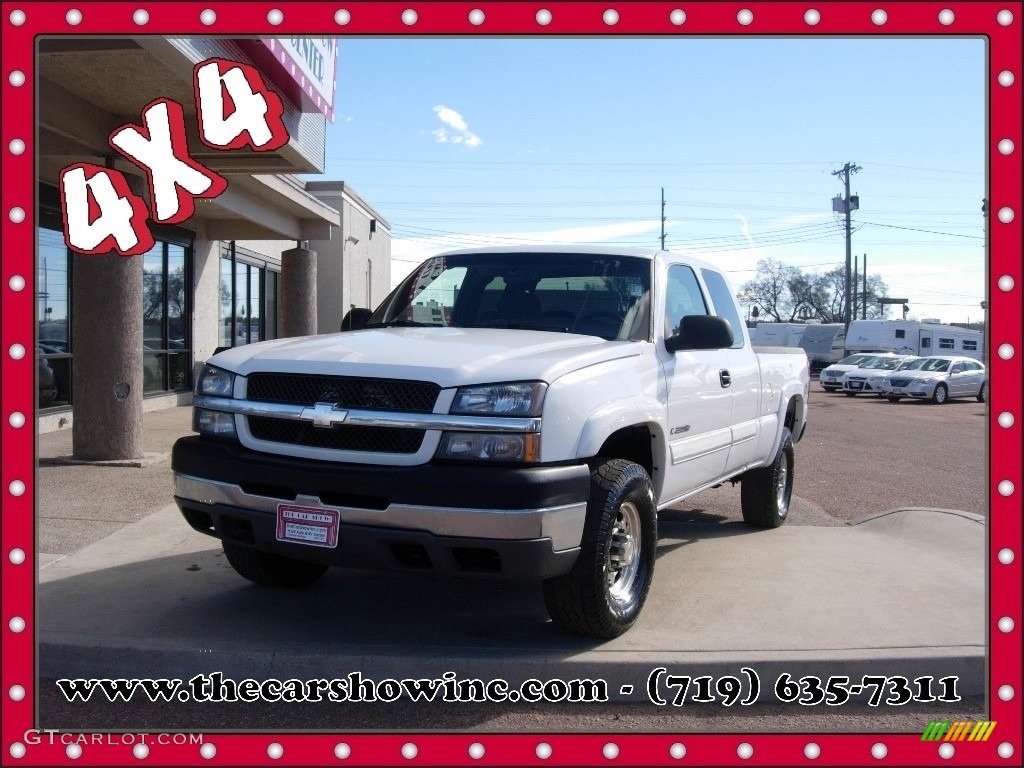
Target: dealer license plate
x=895, y=391
x=315, y=526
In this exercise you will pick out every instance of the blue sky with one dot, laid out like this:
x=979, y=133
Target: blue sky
x=461, y=142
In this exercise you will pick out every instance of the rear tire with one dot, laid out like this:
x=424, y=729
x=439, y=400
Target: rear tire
x=765, y=494
x=982, y=393
x=270, y=570
x=940, y=395
x=603, y=594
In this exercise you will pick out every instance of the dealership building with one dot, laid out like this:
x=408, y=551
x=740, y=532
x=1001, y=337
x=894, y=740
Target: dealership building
x=276, y=254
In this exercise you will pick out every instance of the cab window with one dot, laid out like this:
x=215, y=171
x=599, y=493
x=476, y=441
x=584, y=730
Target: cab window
x=682, y=297
x=725, y=305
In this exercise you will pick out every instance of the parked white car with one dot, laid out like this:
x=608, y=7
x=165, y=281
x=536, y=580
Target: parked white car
x=831, y=378
x=937, y=378
x=868, y=378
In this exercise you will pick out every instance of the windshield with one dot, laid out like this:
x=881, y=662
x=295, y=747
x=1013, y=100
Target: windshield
x=932, y=364
x=854, y=359
x=594, y=295
x=882, y=363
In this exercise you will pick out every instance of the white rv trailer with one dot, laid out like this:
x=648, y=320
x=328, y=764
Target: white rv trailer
x=909, y=337
x=777, y=334
x=823, y=343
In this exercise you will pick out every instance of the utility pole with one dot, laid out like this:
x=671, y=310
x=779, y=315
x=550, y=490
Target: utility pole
x=848, y=205
x=864, y=305
x=663, y=218
x=855, y=273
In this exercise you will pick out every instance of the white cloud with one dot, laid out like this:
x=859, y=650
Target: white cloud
x=459, y=134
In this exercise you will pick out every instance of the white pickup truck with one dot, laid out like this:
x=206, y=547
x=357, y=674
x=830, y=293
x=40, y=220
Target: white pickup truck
x=518, y=413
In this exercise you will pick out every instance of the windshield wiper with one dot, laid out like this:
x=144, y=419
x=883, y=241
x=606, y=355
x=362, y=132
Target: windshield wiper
x=520, y=327
x=399, y=324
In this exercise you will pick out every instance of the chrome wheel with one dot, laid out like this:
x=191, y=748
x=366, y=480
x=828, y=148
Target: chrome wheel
x=783, y=488
x=622, y=563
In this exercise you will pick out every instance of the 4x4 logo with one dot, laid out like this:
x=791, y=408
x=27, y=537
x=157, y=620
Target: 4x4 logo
x=235, y=109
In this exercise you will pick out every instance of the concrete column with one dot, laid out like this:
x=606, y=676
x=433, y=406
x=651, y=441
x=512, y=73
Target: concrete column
x=106, y=373
x=298, y=292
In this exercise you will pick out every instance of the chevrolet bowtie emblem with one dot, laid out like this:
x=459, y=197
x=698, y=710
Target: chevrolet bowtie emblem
x=324, y=415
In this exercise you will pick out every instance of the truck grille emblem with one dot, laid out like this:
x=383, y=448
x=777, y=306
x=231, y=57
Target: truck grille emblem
x=324, y=415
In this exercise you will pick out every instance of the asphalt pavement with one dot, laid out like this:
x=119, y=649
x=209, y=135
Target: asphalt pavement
x=127, y=590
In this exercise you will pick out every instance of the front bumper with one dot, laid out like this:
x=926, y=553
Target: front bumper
x=509, y=522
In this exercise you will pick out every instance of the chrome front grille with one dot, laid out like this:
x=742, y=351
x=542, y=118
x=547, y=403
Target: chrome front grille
x=339, y=438
x=900, y=382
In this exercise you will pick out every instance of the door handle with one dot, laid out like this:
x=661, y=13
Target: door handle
x=725, y=378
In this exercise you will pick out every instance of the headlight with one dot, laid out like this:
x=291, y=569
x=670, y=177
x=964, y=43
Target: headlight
x=480, y=446
x=215, y=381
x=519, y=399
x=213, y=423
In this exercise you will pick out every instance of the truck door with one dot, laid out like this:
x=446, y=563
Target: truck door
x=698, y=396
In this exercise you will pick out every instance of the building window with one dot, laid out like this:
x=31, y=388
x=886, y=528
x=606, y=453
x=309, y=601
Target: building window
x=926, y=342
x=248, y=297
x=53, y=316
x=900, y=333
x=946, y=343
x=166, y=312
x=971, y=346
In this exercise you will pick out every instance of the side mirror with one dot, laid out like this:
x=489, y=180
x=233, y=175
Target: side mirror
x=701, y=332
x=355, y=319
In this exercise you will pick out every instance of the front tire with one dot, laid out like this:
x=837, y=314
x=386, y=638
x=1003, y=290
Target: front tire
x=893, y=399
x=982, y=393
x=604, y=592
x=940, y=395
x=765, y=493
x=270, y=570
x=850, y=394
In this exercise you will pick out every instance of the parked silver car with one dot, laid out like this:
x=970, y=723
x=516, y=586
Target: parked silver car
x=867, y=379
x=937, y=378
x=831, y=378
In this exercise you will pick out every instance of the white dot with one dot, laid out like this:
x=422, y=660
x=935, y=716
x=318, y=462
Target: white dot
x=17, y=556
x=1005, y=750
x=208, y=17
x=1005, y=625
x=678, y=751
x=1006, y=215
x=17, y=17
x=17, y=215
x=1005, y=692
x=17, y=488
x=610, y=751
x=476, y=17
x=677, y=17
x=342, y=17
x=409, y=750
x=275, y=16
x=18, y=750
x=476, y=750
x=1006, y=283
x=946, y=751
x=16, y=419
x=17, y=692
x=17, y=147
x=745, y=16
x=879, y=17
x=812, y=17
x=812, y=751
x=17, y=624
x=73, y=17
x=17, y=283
x=1005, y=555
x=745, y=751
x=73, y=751
x=543, y=750
x=16, y=78
x=1005, y=147
x=1006, y=351
x=611, y=17
x=946, y=17
x=17, y=351
x=409, y=17
x=141, y=751
x=1005, y=17
x=1005, y=488
x=879, y=751
x=543, y=17
x=208, y=751
x=275, y=751
x=141, y=17
x=1005, y=78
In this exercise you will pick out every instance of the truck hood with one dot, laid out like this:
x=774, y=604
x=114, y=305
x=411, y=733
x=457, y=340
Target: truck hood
x=451, y=357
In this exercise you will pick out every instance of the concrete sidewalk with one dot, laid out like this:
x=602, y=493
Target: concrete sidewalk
x=127, y=589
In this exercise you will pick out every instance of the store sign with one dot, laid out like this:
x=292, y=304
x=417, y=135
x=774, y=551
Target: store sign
x=312, y=62
x=235, y=109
